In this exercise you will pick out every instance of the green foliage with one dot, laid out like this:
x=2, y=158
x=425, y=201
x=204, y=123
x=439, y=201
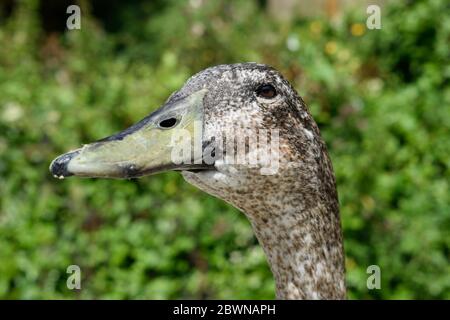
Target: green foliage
x=381, y=98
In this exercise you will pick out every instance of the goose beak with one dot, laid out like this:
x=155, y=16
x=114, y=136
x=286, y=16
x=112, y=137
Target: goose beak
x=150, y=146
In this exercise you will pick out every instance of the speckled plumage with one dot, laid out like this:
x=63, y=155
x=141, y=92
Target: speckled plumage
x=294, y=213
x=293, y=209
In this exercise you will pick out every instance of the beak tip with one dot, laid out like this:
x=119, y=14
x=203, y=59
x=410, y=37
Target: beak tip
x=59, y=166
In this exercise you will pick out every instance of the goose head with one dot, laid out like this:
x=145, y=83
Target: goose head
x=241, y=133
x=235, y=131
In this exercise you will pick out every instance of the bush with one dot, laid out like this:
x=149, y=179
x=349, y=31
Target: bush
x=381, y=98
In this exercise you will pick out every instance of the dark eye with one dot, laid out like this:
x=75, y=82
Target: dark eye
x=168, y=123
x=266, y=91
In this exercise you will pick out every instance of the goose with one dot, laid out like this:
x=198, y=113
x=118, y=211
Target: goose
x=292, y=205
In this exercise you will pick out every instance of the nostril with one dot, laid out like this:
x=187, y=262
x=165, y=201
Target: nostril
x=58, y=167
x=168, y=123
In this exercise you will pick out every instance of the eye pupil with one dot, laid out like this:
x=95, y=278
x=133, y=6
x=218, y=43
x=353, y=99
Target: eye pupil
x=168, y=123
x=266, y=91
